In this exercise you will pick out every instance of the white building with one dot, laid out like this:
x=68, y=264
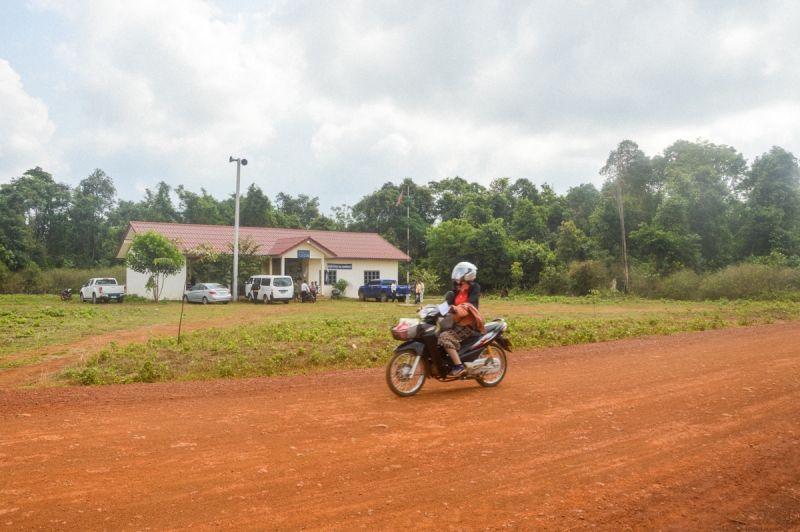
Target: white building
x=321, y=256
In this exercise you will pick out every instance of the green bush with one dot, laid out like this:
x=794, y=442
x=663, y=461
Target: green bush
x=553, y=281
x=341, y=285
x=743, y=281
x=586, y=276
x=752, y=281
x=32, y=280
x=683, y=285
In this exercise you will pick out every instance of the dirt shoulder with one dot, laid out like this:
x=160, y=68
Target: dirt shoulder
x=695, y=431
x=57, y=357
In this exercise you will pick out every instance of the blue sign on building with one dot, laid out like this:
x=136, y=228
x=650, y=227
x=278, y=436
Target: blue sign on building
x=303, y=254
x=339, y=266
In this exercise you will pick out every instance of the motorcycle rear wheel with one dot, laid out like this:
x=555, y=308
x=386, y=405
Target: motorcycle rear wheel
x=402, y=377
x=494, y=379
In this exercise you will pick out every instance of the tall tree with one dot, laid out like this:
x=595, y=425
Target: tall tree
x=256, y=209
x=452, y=195
x=305, y=208
x=448, y=244
x=42, y=203
x=772, y=212
x=580, y=203
x=528, y=221
x=92, y=200
x=668, y=243
x=198, y=208
x=403, y=221
x=488, y=248
x=622, y=162
x=157, y=205
x=704, y=175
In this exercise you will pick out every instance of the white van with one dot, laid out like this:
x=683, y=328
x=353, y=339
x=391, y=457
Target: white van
x=273, y=288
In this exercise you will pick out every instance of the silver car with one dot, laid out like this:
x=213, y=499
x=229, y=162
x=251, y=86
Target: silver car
x=206, y=293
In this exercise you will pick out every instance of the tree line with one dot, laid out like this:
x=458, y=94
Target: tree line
x=696, y=206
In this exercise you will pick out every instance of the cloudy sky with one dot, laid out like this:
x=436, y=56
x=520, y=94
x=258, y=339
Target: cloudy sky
x=333, y=99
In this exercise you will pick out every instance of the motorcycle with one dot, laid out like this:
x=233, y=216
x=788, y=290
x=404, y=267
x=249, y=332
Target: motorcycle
x=420, y=357
x=309, y=297
x=66, y=294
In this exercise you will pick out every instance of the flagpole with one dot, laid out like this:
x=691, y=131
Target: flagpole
x=408, y=227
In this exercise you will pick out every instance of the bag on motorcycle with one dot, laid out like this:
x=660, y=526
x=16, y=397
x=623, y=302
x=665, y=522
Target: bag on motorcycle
x=446, y=322
x=405, y=330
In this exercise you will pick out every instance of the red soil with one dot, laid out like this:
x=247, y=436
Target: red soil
x=689, y=432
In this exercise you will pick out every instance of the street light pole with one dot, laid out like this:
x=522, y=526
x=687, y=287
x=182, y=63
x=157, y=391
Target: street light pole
x=239, y=163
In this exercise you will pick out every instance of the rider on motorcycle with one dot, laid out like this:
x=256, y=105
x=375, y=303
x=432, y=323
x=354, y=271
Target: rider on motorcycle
x=464, y=307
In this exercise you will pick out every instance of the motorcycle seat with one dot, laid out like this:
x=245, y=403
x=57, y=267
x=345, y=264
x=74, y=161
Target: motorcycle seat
x=492, y=325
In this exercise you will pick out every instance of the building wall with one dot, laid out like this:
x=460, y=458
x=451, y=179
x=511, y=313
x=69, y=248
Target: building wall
x=387, y=269
x=312, y=269
x=173, y=285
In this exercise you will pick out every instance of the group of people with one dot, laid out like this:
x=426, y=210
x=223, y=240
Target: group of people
x=306, y=291
x=417, y=288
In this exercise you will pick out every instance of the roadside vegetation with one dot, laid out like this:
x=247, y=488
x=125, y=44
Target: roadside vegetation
x=336, y=335
x=34, y=326
x=695, y=221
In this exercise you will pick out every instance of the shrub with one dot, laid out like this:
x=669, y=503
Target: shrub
x=586, y=276
x=35, y=281
x=751, y=281
x=341, y=285
x=683, y=285
x=553, y=281
x=743, y=281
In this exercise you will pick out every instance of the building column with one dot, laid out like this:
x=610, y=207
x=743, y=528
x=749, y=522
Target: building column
x=283, y=266
x=322, y=273
x=321, y=281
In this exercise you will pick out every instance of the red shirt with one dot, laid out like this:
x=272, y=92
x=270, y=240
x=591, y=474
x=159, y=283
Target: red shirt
x=461, y=293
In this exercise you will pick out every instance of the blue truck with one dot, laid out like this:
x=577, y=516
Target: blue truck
x=381, y=290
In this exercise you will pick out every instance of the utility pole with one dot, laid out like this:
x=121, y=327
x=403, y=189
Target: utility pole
x=235, y=283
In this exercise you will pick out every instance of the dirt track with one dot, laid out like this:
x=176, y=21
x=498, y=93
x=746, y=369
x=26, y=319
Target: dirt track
x=55, y=358
x=691, y=432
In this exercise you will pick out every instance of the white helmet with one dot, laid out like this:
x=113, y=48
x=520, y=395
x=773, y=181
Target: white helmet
x=464, y=271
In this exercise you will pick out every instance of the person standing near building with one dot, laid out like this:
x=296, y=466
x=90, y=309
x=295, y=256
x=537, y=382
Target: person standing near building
x=303, y=292
x=394, y=290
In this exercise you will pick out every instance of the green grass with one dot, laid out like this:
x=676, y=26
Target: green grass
x=32, y=325
x=333, y=335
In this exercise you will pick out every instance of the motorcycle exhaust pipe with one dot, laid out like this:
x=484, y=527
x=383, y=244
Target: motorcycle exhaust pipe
x=483, y=366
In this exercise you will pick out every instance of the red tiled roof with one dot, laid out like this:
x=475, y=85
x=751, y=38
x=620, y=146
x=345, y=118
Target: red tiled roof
x=271, y=241
x=282, y=245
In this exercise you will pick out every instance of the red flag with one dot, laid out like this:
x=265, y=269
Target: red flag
x=399, y=199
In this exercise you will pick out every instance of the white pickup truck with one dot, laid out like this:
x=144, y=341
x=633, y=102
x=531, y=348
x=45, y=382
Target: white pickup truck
x=103, y=289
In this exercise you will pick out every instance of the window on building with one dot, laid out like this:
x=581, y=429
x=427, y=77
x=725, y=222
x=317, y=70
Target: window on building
x=330, y=276
x=371, y=275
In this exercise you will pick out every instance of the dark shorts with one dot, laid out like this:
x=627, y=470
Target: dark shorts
x=452, y=338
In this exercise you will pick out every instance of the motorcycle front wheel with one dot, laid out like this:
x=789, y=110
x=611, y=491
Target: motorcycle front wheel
x=493, y=379
x=406, y=373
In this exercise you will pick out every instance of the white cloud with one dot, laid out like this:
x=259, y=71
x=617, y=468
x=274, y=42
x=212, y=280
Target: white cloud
x=26, y=128
x=172, y=81
x=317, y=94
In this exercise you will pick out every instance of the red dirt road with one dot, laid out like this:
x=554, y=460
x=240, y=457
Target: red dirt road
x=690, y=432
